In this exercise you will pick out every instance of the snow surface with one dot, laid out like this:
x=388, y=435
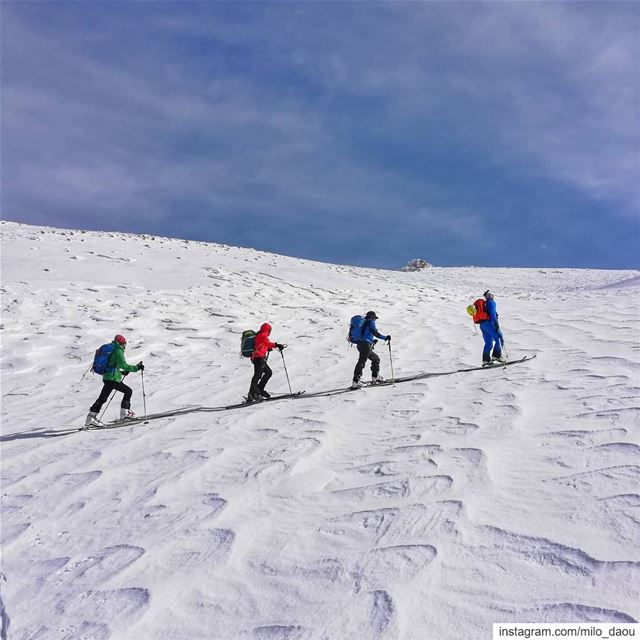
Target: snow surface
x=429, y=509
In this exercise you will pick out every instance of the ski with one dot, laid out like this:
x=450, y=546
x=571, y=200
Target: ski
x=116, y=423
x=295, y=394
x=498, y=365
x=280, y=396
x=143, y=419
x=385, y=383
x=151, y=416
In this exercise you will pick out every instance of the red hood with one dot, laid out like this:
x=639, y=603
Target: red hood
x=265, y=328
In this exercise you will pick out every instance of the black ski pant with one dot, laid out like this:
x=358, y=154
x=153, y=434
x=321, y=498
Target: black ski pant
x=365, y=349
x=108, y=387
x=261, y=374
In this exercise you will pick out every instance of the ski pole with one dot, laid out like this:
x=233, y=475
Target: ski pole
x=393, y=378
x=286, y=372
x=144, y=396
x=506, y=355
x=108, y=403
x=87, y=371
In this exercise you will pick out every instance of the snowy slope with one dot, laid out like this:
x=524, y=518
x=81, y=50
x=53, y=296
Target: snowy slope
x=429, y=509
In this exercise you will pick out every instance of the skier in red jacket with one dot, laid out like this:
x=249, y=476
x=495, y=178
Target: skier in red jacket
x=261, y=370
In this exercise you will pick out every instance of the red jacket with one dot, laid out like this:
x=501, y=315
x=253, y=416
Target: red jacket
x=262, y=342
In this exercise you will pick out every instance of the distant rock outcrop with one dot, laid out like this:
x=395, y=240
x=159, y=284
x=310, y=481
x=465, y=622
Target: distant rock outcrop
x=416, y=265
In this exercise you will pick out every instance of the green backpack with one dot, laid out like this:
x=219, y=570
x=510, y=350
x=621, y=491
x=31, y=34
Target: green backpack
x=247, y=343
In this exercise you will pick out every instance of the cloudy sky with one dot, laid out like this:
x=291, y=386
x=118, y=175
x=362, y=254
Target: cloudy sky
x=367, y=133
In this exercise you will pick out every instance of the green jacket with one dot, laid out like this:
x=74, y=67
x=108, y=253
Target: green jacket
x=118, y=365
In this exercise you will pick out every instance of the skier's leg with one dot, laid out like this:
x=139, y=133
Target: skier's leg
x=258, y=364
x=126, y=391
x=266, y=374
x=488, y=341
x=107, y=388
x=497, y=347
x=375, y=363
x=364, y=349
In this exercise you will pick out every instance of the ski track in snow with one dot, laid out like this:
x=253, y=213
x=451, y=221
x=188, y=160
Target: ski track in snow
x=428, y=509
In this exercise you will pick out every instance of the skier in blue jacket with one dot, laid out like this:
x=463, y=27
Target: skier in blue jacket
x=491, y=332
x=365, y=350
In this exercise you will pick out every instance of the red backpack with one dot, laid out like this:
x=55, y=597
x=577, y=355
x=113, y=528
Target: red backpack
x=481, y=312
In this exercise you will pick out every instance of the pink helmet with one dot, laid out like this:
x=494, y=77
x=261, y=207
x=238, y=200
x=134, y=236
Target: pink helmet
x=120, y=339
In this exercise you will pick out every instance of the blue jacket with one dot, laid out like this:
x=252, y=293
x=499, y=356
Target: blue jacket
x=370, y=332
x=492, y=310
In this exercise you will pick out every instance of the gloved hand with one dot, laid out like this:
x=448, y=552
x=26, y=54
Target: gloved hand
x=140, y=366
x=388, y=338
x=280, y=347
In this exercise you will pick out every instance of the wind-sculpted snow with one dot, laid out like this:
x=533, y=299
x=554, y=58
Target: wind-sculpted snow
x=382, y=612
x=427, y=509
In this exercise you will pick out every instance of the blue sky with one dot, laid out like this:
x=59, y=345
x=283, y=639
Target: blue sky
x=367, y=133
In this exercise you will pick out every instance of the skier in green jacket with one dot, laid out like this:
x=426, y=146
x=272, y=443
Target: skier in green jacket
x=117, y=368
